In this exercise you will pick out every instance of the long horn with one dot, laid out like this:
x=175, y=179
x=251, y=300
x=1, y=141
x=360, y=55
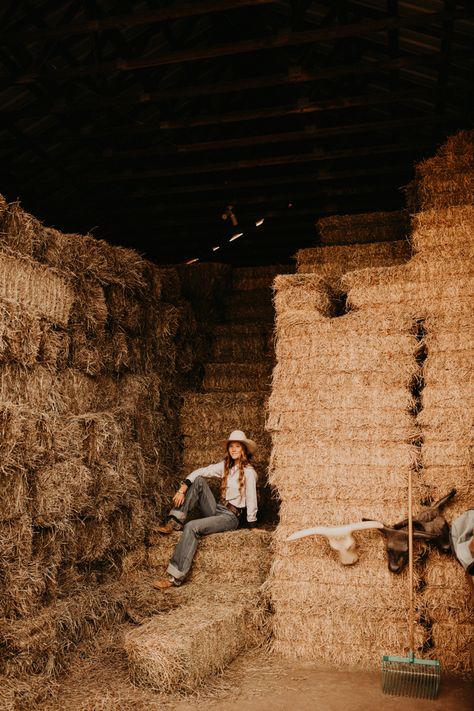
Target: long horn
x=335, y=531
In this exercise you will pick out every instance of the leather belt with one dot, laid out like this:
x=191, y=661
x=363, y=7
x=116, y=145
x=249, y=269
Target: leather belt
x=235, y=510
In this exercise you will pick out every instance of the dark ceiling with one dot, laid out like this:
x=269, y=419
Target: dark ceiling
x=142, y=122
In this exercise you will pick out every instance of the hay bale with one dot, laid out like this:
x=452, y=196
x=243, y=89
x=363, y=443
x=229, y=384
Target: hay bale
x=314, y=452
x=330, y=263
x=311, y=575
x=42, y=644
x=32, y=388
x=244, y=377
x=446, y=179
x=78, y=391
x=440, y=452
x=211, y=416
x=305, y=395
x=60, y=491
x=102, y=436
x=161, y=657
x=446, y=593
x=362, y=228
x=451, y=418
x=342, y=482
x=444, y=232
x=250, y=278
x=456, y=154
x=437, y=479
x=85, y=354
x=127, y=526
x=53, y=352
x=89, y=539
x=452, y=642
x=351, y=487
x=241, y=343
x=94, y=260
x=14, y=488
x=38, y=289
x=124, y=310
x=19, y=231
x=21, y=582
x=254, y=305
x=207, y=418
x=423, y=290
x=20, y=334
x=321, y=639
x=303, y=292
x=18, y=443
x=90, y=307
x=204, y=282
x=239, y=558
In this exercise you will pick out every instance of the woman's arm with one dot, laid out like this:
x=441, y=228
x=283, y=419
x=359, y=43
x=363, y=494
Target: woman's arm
x=213, y=470
x=251, y=494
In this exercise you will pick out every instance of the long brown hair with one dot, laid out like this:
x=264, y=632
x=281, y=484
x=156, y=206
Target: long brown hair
x=244, y=461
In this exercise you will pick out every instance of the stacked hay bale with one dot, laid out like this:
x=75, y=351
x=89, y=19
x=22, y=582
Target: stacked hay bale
x=363, y=227
x=446, y=179
x=236, y=371
x=332, y=262
x=89, y=430
x=443, y=239
x=342, y=433
x=223, y=609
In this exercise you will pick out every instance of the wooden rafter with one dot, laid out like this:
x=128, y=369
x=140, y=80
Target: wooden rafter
x=137, y=19
x=229, y=166
x=242, y=47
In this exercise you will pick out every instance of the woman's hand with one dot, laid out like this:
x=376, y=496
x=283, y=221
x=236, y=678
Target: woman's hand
x=178, y=498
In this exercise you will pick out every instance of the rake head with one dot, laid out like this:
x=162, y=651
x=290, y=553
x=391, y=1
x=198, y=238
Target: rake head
x=407, y=676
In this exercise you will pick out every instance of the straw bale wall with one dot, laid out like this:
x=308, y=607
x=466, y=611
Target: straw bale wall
x=89, y=398
x=358, y=400
x=343, y=443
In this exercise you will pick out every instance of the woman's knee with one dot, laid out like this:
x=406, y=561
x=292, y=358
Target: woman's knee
x=191, y=528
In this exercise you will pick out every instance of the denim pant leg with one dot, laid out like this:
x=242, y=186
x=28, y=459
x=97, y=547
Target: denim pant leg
x=183, y=554
x=198, y=493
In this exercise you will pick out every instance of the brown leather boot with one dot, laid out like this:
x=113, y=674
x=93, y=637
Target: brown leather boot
x=168, y=527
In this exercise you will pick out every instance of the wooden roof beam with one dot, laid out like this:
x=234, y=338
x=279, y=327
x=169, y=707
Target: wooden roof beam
x=177, y=11
x=295, y=75
x=243, y=47
x=304, y=107
x=311, y=133
x=229, y=166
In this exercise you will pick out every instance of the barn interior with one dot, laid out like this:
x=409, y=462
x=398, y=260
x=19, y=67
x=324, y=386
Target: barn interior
x=229, y=215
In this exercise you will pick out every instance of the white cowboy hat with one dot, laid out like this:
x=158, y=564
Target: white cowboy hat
x=239, y=436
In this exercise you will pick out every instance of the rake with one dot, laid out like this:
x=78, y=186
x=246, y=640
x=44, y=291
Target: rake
x=408, y=676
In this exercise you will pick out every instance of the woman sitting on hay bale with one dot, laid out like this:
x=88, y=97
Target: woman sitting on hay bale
x=238, y=490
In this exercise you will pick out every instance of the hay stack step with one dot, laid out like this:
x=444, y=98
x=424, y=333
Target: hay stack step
x=245, y=377
x=239, y=557
x=178, y=650
x=220, y=614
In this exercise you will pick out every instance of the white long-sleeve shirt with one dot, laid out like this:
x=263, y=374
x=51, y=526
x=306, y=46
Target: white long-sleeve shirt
x=248, y=498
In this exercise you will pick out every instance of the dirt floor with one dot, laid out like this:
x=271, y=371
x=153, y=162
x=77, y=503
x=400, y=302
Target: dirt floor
x=257, y=681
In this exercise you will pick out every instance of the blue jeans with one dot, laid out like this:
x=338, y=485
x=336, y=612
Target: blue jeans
x=216, y=519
